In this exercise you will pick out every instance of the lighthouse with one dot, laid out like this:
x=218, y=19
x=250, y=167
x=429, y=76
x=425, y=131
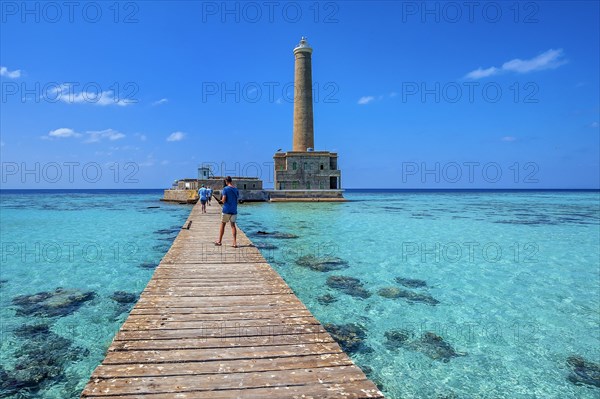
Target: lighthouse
x=305, y=174
x=304, y=138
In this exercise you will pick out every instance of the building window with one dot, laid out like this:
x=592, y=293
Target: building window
x=333, y=163
x=281, y=186
x=321, y=166
x=244, y=186
x=253, y=185
x=294, y=185
x=321, y=185
x=305, y=166
x=294, y=166
x=308, y=185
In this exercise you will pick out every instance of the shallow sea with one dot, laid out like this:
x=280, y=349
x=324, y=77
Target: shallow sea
x=82, y=242
x=512, y=282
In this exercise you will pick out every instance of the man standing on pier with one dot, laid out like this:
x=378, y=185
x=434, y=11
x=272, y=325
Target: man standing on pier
x=202, y=194
x=229, y=198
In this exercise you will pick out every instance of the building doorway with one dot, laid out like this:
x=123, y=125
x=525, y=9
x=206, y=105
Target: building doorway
x=333, y=185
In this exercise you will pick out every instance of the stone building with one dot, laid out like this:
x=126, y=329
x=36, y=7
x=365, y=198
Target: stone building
x=304, y=174
x=306, y=170
x=245, y=183
x=186, y=190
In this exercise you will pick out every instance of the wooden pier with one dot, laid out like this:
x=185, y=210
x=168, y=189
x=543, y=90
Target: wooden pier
x=219, y=322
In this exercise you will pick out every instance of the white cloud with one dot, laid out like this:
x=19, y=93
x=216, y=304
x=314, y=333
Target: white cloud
x=482, y=73
x=62, y=133
x=176, y=136
x=93, y=136
x=67, y=94
x=550, y=59
x=109, y=134
x=365, y=100
x=10, y=74
x=161, y=101
x=164, y=162
x=595, y=125
x=142, y=137
x=509, y=138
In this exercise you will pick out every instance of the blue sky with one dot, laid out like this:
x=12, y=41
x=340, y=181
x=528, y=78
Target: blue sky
x=410, y=94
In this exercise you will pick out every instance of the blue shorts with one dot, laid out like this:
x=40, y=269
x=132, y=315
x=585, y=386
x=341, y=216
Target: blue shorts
x=203, y=201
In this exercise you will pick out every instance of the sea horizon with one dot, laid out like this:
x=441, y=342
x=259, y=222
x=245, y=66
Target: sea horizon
x=350, y=190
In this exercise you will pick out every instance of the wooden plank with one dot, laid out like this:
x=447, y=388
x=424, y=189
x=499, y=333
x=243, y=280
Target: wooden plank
x=352, y=390
x=222, y=366
x=228, y=317
x=215, y=270
x=218, y=329
x=219, y=322
x=207, y=382
x=215, y=291
x=248, y=338
x=213, y=310
x=152, y=323
x=240, y=299
x=233, y=352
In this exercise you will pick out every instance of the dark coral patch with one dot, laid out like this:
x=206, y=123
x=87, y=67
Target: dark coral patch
x=148, y=265
x=411, y=282
x=348, y=285
x=349, y=336
x=264, y=245
x=322, y=264
x=40, y=361
x=429, y=344
x=162, y=247
x=583, y=372
x=326, y=299
x=395, y=292
x=397, y=338
x=61, y=302
x=435, y=347
x=124, y=297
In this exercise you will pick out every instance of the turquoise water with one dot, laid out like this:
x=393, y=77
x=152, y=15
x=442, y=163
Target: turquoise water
x=515, y=277
x=86, y=244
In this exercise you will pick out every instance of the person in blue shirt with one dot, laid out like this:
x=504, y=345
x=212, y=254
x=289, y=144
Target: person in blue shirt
x=229, y=198
x=202, y=194
x=208, y=195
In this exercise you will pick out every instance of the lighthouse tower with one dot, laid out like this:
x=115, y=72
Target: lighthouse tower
x=304, y=174
x=304, y=137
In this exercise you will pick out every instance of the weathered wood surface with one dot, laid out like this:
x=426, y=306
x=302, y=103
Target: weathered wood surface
x=219, y=322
